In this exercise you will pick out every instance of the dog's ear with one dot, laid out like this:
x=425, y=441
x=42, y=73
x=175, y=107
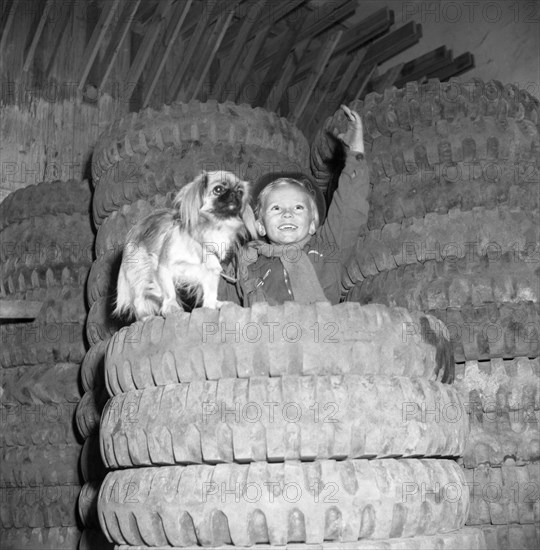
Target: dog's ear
x=248, y=217
x=189, y=200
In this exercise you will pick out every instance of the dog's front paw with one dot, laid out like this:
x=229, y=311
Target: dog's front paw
x=219, y=304
x=170, y=308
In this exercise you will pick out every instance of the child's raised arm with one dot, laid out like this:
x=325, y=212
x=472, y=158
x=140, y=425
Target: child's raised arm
x=349, y=208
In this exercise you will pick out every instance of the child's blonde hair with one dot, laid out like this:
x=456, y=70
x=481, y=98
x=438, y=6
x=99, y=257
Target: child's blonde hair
x=263, y=195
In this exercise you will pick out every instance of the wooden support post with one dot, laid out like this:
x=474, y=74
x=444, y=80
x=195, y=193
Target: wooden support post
x=37, y=35
x=196, y=37
x=93, y=46
x=177, y=22
x=19, y=309
x=120, y=33
x=324, y=56
x=221, y=26
x=7, y=26
x=239, y=43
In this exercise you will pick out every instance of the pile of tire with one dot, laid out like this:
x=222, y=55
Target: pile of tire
x=453, y=231
x=284, y=424
x=138, y=165
x=46, y=253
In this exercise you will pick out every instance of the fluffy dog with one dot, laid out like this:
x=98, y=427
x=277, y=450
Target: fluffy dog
x=182, y=247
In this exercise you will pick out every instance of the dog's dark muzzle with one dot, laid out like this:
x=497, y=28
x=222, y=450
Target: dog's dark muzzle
x=229, y=204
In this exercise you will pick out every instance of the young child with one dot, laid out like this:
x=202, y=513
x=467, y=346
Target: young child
x=303, y=254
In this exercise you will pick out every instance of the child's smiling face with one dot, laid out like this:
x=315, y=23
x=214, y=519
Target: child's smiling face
x=286, y=216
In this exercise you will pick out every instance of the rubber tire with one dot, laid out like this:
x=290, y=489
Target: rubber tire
x=30, y=506
x=455, y=282
x=94, y=539
x=92, y=467
x=57, y=333
x=16, y=284
x=93, y=367
x=155, y=152
x=467, y=538
x=312, y=417
x=181, y=123
x=394, y=124
x=500, y=438
x=103, y=277
x=37, y=424
x=89, y=409
x=504, y=495
x=50, y=197
x=129, y=501
x=47, y=241
x=443, y=236
x=44, y=538
x=101, y=323
x=40, y=465
x=87, y=504
x=500, y=385
x=41, y=384
x=511, y=537
x=477, y=332
x=351, y=340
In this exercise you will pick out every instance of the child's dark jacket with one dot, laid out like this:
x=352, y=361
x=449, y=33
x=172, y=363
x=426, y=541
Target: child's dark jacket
x=265, y=279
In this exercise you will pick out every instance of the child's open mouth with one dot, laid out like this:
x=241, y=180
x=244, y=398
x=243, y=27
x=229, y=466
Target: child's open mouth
x=288, y=227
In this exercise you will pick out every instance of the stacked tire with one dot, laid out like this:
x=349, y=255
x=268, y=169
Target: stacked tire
x=138, y=165
x=453, y=231
x=46, y=254
x=282, y=424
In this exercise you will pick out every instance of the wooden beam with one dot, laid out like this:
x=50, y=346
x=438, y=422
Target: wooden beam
x=385, y=48
x=220, y=28
x=239, y=43
x=321, y=92
x=62, y=24
x=93, y=46
x=246, y=69
x=276, y=93
x=349, y=74
x=388, y=78
x=19, y=309
x=7, y=26
x=204, y=18
x=312, y=26
x=462, y=63
x=145, y=49
x=360, y=82
x=176, y=23
x=324, y=56
x=269, y=76
x=366, y=31
x=276, y=12
x=37, y=35
x=120, y=33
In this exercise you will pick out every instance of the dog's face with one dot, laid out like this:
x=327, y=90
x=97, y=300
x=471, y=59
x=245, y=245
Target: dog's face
x=223, y=194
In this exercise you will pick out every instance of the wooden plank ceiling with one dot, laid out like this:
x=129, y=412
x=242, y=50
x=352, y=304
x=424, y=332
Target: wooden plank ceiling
x=300, y=58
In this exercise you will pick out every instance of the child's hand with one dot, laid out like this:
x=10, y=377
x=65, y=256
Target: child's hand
x=354, y=136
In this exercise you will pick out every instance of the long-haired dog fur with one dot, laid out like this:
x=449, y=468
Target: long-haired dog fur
x=183, y=246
